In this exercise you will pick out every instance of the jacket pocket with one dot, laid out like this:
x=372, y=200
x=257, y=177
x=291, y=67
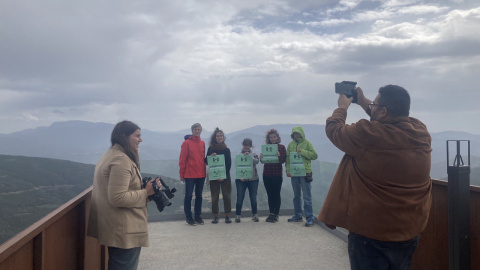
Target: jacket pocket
x=135, y=220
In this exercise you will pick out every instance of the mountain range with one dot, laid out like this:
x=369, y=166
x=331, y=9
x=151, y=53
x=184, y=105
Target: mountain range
x=85, y=142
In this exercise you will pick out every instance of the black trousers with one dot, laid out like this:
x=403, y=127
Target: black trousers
x=273, y=186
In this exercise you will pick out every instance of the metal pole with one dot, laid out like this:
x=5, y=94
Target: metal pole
x=459, y=211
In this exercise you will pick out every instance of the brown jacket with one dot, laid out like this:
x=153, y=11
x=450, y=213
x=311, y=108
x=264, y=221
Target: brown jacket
x=118, y=213
x=382, y=188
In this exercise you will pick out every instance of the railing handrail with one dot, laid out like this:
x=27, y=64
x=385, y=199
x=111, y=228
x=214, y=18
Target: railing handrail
x=23, y=237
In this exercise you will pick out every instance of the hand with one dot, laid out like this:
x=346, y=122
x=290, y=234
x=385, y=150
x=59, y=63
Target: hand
x=242, y=180
x=214, y=154
x=182, y=179
x=344, y=102
x=361, y=99
x=299, y=150
x=261, y=155
x=289, y=175
x=149, y=186
x=246, y=153
x=220, y=180
x=278, y=153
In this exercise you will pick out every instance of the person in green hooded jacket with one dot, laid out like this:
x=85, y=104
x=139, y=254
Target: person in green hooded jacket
x=301, y=181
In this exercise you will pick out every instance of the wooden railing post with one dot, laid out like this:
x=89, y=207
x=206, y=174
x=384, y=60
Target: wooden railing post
x=458, y=210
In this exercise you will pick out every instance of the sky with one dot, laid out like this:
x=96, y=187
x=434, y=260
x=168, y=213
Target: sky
x=234, y=64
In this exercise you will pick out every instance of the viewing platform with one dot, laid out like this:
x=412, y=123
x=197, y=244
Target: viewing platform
x=59, y=241
x=244, y=245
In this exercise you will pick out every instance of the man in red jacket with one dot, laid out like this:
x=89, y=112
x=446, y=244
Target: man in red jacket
x=192, y=173
x=381, y=191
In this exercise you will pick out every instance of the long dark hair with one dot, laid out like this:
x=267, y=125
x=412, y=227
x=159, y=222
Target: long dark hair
x=214, y=135
x=120, y=134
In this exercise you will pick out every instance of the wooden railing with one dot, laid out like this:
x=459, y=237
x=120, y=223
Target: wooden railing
x=432, y=252
x=57, y=241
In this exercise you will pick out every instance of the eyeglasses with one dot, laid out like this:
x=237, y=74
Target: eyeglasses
x=371, y=105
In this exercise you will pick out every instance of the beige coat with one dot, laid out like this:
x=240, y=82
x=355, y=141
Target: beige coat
x=382, y=188
x=118, y=214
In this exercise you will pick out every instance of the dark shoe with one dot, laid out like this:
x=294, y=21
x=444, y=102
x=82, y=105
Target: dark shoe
x=309, y=223
x=215, y=220
x=199, y=220
x=275, y=218
x=191, y=222
x=237, y=219
x=270, y=218
x=228, y=220
x=255, y=218
x=295, y=219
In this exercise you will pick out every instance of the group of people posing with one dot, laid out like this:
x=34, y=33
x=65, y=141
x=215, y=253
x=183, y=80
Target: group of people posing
x=381, y=192
x=193, y=161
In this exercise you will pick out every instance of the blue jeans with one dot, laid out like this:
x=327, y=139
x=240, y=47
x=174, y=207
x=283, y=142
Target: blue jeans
x=190, y=185
x=252, y=192
x=299, y=185
x=369, y=254
x=123, y=259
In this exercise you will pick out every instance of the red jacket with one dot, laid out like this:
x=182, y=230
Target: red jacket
x=191, y=158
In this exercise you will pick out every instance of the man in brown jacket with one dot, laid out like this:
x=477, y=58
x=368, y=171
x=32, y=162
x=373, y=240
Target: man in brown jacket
x=381, y=191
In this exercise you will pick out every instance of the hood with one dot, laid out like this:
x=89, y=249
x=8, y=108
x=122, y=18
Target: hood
x=298, y=129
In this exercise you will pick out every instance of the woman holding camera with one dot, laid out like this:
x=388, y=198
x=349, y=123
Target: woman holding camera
x=118, y=213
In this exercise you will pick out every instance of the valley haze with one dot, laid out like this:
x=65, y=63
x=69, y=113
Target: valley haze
x=86, y=142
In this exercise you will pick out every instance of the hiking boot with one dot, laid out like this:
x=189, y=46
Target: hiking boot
x=215, y=220
x=255, y=218
x=199, y=220
x=190, y=222
x=228, y=220
x=237, y=219
x=295, y=219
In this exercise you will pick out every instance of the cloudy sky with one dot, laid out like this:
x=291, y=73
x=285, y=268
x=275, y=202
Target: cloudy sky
x=234, y=64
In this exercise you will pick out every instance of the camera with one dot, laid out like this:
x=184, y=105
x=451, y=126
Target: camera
x=347, y=88
x=161, y=196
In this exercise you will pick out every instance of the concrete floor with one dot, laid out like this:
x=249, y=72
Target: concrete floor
x=245, y=245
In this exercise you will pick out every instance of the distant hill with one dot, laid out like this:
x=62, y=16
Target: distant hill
x=33, y=187
x=85, y=142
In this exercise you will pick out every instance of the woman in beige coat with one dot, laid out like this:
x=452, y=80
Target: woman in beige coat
x=118, y=214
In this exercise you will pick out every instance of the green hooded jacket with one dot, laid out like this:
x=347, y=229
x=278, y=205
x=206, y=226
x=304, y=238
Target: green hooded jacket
x=308, y=152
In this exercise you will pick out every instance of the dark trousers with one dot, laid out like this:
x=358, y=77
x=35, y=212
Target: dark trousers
x=226, y=187
x=242, y=186
x=190, y=185
x=123, y=259
x=273, y=186
x=369, y=254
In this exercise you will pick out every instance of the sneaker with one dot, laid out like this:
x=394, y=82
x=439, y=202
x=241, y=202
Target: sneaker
x=237, y=219
x=191, y=222
x=275, y=218
x=215, y=220
x=295, y=219
x=309, y=223
x=199, y=220
x=255, y=218
x=270, y=218
x=228, y=220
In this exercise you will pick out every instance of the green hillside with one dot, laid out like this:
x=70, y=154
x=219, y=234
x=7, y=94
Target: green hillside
x=30, y=188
